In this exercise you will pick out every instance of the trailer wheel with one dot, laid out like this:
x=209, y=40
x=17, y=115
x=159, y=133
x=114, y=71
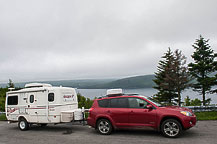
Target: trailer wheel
x=23, y=124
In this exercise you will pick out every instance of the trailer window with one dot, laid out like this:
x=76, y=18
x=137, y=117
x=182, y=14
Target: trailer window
x=31, y=99
x=51, y=97
x=12, y=100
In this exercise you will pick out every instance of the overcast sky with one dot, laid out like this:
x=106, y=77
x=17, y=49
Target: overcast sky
x=80, y=39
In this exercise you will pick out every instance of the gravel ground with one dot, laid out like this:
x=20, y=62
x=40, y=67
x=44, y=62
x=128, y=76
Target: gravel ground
x=203, y=132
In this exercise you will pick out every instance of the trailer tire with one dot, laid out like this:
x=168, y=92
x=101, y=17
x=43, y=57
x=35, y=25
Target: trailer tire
x=23, y=124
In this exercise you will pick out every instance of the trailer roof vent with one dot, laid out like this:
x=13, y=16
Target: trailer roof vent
x=33, y=85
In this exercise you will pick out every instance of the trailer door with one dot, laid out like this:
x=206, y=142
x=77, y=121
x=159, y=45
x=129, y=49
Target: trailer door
x=32, y=107
x=50, y=105
x=42, y=107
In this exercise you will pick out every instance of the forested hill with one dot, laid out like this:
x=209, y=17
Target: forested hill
x=125, y=83
x=145, y=81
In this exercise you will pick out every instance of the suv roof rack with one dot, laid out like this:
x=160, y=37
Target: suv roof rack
x=133, y=94
x=114, y=95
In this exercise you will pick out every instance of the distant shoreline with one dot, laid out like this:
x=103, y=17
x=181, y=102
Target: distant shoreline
x=135, y=82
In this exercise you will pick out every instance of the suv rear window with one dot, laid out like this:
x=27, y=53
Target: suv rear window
x=103, y=103
x=119, y=103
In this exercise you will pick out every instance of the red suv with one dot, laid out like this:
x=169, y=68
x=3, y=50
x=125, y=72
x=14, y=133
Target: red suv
x=135, y=111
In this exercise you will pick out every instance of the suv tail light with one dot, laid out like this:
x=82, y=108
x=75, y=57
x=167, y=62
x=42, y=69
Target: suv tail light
x=91, y=109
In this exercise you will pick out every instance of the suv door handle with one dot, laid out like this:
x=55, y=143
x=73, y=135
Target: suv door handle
x=108, y=111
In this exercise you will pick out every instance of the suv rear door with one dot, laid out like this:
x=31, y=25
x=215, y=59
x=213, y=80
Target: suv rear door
x=118, y=111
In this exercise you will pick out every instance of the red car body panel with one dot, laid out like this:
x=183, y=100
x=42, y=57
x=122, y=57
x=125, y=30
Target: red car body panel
x=133, y=117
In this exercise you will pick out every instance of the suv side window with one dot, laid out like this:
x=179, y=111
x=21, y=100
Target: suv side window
x=137, y=103
x=103, y=103
x=119, y=103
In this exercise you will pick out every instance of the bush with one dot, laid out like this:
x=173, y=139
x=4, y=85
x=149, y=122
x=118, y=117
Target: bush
x=2, y=98
x=3, y=117
x=196, y=102
x=84, y=102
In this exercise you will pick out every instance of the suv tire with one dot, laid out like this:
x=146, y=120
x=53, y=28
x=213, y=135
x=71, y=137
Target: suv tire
x=171, y=128
x=23, y=124
x=104, y=127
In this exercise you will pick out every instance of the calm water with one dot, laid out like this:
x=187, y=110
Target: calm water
x=91, y=93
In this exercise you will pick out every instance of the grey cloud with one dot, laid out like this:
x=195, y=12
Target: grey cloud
x=54, y=39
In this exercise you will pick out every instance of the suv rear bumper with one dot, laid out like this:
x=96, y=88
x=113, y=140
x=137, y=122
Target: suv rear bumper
x=91, y=122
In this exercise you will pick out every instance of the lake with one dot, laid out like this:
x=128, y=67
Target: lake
x=91, y=93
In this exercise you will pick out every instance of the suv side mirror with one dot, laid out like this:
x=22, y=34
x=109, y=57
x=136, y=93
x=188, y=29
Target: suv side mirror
x=141, y=104
x=149, y=107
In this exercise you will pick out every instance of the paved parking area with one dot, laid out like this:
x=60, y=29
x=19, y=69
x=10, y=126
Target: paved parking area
x=203, y=132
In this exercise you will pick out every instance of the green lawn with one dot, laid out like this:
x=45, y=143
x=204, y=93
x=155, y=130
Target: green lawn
x=2, y=117
x=212, y=115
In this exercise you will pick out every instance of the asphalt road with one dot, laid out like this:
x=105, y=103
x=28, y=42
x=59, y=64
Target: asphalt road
x=205, y=132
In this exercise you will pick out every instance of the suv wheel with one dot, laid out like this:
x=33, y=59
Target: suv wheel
x=104, y=127
x=23, y=124
x=171, y=128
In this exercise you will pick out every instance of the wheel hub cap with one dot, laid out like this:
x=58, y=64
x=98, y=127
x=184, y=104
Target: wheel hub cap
x=22, y=124
x=103, y=127
x=171, y=128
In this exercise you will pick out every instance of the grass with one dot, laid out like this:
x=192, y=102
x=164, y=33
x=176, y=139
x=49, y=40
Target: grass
x=2, y=117
x=212, y=115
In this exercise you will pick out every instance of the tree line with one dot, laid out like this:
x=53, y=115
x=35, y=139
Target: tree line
x=173, y=75
x=3, y=94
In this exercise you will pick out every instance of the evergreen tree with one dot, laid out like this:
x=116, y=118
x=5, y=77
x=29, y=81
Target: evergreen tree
x=166, y=93
x=179, y=75
x=215, y=83
x=10, y=84
x=172, y=77
x=204, y=64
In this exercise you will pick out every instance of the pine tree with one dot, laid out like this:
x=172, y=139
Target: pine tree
x=10, y=84
x=179, y=76
x=204, y=64
x=215, y=90
x=165, y=88
x=172, y=77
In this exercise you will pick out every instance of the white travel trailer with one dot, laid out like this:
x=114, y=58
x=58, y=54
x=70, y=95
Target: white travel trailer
x=42, y=104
